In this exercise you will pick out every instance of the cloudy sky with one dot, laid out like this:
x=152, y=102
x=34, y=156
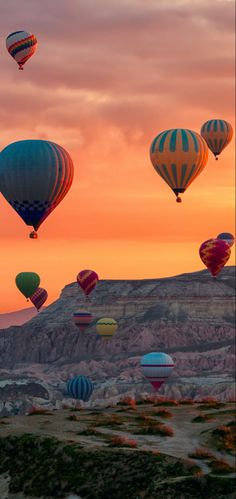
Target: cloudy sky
x=106, y=78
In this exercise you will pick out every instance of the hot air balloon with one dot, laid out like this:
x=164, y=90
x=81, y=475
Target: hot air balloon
x=39, y=297
x=21, y=45
x=35, y=175
x=87, y=280
x=217, y=134
x=106, y=327
x=80, y=388
x=156, y=367
x=27, y=283
x=214, y=254
x=227, y=237
x=178, y=156
x=82, y=319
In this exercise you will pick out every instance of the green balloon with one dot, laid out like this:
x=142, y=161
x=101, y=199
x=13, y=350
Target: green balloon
x=27, y=283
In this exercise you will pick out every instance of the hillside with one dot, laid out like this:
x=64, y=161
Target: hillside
x=191, y=316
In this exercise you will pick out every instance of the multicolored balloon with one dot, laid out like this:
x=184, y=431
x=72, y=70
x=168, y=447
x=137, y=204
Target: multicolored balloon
x=21, y=45
x=80, y=388
x=178, y=156
x=39, y=297
x=27, y=283
x=156, y=367
x=106, y=327
x=227, y=237
x=35, y=175
x=214, y=253
x=87, y=280
x=82, y=319
x=217, y=134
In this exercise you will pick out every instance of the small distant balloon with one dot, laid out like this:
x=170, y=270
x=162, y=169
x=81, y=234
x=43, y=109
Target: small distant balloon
x=157, y=367
x=27, y=283
x=87, y=280
x=178, y=156
x=227, y=237
x=39, y=297
x=80, y=388
x=214, y=253
x=82, y=319
x=106, y=327
x=217, y=134
x=21, y=45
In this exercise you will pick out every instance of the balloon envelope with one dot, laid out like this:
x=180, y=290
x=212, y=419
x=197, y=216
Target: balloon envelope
x=106, y=327
x=82, y=319
x=217, y=134
x=21, y=45
x=87, y=280
x=80, y=388
x=35, y=175
x=156, y=367
x=178, y=156
x=27, y=283
x=39, y=297
x=227, y=237
x=214, y=254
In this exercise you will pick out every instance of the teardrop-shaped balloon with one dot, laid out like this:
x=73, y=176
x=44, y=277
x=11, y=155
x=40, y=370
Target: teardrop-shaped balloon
x=106, y=327
x=80, y=388
x=217, y=134
x=21, y=45
x=179, y=156
x=157, y=367
x=82, y=319
x=35, y=175
x=87, y=280
x=214, y=253
x=227, y=237
x=27, y=283
x=39, y=297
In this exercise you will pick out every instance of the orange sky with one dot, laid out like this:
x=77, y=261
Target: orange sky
x=107, y=77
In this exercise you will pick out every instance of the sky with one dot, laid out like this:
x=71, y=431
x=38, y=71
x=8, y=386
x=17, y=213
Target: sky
x=106, y=79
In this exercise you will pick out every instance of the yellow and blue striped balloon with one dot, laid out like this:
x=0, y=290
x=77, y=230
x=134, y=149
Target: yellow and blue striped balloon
x=21, y=45
x=178, y=156
x=35, y=175
x=217, y=134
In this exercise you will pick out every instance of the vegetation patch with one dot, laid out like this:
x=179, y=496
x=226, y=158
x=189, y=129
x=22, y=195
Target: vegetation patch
x=220, y=466
x=202, y=453
x=46, y=467
x=39, y=411
x=203, y=418
x=164, y=413
x=225, y=437
x=155, y=428
x=119, y=441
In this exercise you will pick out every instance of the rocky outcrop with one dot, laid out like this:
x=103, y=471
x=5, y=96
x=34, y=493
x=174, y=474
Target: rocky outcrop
x=191, y=316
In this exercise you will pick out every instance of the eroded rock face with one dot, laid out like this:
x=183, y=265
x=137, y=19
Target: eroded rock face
x=191, y=316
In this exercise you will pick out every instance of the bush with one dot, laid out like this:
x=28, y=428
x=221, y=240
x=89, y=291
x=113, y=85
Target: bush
x=166, y=402
x=155, y=428
x=164, y=413
x=128, y=401
x=203, y=418
x=221, y=466
x=226, y=436
x=118, y=441
x=36, y=411
x=201, y=453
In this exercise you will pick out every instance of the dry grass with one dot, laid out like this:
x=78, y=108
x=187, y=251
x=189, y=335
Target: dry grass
x=154, y=428
x=203, y=418
x=164, y=413
x=225, y=436
x=39, y=411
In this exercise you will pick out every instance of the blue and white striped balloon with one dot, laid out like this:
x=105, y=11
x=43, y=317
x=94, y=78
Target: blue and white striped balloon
x=80, y=388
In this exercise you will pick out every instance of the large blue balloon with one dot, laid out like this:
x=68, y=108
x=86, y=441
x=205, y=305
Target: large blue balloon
x=80, y=388
x=35, y=175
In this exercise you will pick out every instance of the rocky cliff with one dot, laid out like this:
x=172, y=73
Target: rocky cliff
x=190, y=316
